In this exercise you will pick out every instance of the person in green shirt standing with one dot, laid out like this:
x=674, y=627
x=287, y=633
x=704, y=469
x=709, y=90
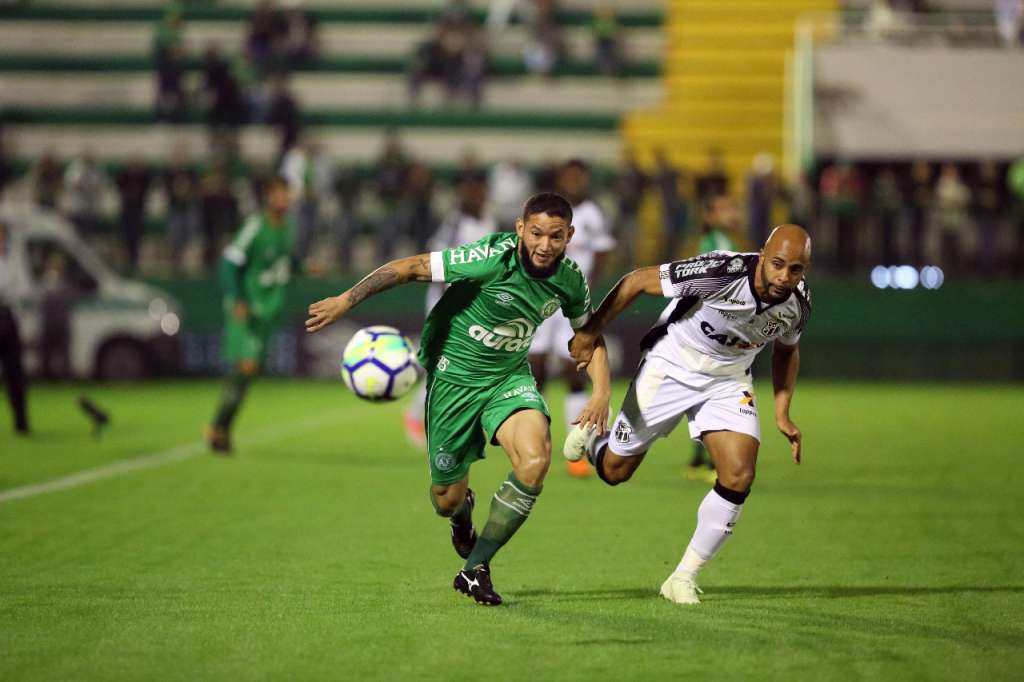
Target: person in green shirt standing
x=254, y=272
x=479, y=386
x=720, y=221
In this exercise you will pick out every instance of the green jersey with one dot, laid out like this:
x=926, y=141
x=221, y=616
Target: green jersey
x=715, y=240
x=261, y=257
x=480, y=331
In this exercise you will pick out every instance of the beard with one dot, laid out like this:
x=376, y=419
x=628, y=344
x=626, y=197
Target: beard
x=533, y=270
x=768, y=291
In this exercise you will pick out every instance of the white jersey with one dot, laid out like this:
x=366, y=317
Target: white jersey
x=591, y=238
x=718, y=325
x=459, y=228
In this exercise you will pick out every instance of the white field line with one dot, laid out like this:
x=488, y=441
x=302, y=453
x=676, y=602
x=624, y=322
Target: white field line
x=152, y=460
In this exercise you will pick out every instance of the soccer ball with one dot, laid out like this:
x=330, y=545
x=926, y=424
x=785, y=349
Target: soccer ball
x=379, y=364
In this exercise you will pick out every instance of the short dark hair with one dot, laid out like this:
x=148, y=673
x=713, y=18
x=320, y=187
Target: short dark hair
x=553, y=204
x=579, y=164
x=276, y=179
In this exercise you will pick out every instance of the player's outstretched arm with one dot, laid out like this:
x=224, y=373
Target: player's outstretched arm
x=642, y=281
x=596, y=410
x=329, y=310
x=785, y=367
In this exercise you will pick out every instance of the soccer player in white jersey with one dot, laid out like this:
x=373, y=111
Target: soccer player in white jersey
x=468, y=222
x=730, y=306
x=593, y=241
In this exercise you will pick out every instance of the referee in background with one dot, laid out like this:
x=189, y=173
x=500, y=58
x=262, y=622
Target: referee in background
x=10, y=343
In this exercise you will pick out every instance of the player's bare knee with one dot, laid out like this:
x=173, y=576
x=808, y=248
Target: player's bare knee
x=447, y=499
x=739, y=477
x=619, y=469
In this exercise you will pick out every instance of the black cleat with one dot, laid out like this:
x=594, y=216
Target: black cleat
x=476, y=583
x=464, y=536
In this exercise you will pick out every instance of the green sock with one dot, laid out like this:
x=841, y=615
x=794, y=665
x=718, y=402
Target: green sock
x=459, y=517
x=235, y=387
x=509, y=509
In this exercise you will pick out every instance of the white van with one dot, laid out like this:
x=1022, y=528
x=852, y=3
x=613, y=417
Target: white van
x=120, y=328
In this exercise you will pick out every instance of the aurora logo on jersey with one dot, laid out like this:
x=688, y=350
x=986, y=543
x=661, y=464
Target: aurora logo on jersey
x=510, y=336
x=471, y=255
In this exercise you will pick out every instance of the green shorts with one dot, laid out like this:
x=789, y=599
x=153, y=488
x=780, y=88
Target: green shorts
x=461, y=419
x=246, y=341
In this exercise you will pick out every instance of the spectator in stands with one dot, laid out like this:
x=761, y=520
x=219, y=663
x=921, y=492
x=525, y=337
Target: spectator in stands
x=181, y=191
x=455, y=56
x=310, y=174
x=545, y=49
x=168, y=55
x=887, y=202
x=921, y=197
x=84, y=185
x=264, y=39
x=47, y=180
x=714, y=180
x=674, y=211
x=300, y=35
x=607, y=35
x=218, y=209
x=285, y=115
x=419, y=221
x=392, y=173
x=989, y=198
x=762, y=191
x=1015, y=185
x=952, y=199
x=841, y=189
x=347, y=190
x=801, y=201
x=630, y=185
x=225, y=103
x=133, y=184
x=509, y=186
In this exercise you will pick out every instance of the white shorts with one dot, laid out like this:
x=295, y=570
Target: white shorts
x=662, y=393
x=553, y=333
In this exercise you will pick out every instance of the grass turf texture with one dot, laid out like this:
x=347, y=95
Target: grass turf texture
x=891, y=553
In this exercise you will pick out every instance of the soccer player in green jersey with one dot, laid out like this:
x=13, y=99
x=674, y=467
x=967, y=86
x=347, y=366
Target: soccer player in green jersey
x=479, y=387
x=254, y=272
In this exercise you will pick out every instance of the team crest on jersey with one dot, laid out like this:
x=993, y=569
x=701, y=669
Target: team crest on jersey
x=444, y=461
x=504, y=298
x=623, y=432
x=550, y=308
x=734, y=266
x=771, y=328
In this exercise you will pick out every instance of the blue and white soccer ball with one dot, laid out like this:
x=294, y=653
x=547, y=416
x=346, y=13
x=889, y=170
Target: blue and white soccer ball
x=379, y=363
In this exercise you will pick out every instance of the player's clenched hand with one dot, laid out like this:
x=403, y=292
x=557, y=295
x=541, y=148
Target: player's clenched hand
x=595, y=413
x=581, y=348
x=325, y=312
x=792, y=433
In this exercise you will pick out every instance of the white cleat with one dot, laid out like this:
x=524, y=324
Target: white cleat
x=579, y=442
x=681, y=589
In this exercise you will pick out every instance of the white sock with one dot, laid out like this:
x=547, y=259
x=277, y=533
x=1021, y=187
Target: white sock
x=716, y=517
x=574, y=404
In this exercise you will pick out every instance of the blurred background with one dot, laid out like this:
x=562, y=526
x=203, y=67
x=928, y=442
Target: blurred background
x=135, y=136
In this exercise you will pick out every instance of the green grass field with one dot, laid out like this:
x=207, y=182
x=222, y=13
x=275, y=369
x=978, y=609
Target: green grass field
x=893, y=552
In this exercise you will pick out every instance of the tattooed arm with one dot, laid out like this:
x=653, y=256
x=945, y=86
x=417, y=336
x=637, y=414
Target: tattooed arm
x=328, y=310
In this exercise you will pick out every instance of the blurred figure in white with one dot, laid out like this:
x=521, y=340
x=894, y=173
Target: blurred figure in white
x=589, y=247
x=310, y=175
x=468, y=222
x=509, y=186
x=1010, y=21
x=84, y=184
